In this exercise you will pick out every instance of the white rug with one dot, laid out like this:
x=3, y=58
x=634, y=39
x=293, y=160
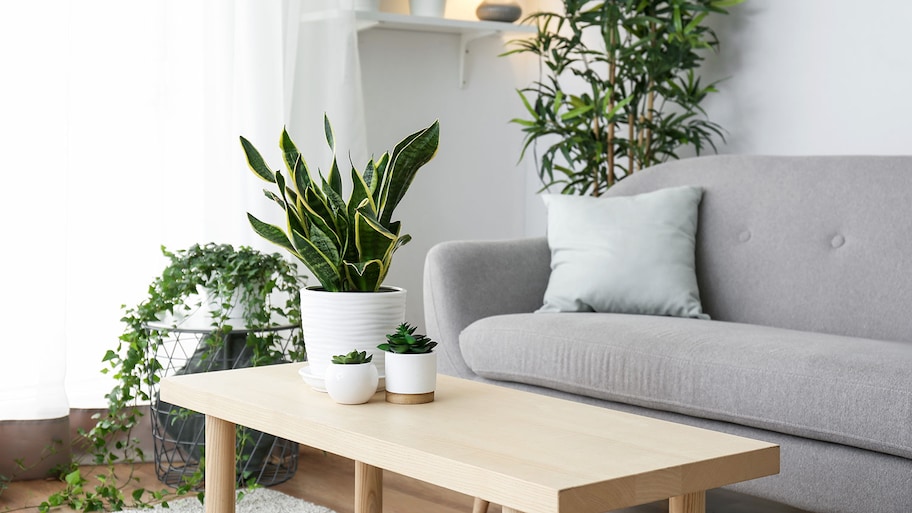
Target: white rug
x=258, y=500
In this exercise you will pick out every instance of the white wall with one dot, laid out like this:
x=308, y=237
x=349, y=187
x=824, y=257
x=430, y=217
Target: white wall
x=814, y=77
x=474, y=188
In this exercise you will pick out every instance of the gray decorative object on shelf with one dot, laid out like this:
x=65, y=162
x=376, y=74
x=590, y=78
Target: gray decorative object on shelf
x=508, y=11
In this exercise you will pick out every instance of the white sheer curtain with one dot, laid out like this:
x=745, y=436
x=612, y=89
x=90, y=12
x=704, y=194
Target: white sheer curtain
x=328, y=81
x=119, y=125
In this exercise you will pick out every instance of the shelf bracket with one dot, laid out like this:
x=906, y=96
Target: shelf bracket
x=464, y=39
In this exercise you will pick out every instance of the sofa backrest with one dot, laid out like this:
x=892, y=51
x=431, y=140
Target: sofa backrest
x=801, y=242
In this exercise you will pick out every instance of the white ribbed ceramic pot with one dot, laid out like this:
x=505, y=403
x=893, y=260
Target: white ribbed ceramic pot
x=334, y=323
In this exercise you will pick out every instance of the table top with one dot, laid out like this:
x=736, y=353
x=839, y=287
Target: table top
x=535, y=453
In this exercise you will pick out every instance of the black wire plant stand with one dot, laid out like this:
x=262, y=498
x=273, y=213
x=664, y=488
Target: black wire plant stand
x=178, y=434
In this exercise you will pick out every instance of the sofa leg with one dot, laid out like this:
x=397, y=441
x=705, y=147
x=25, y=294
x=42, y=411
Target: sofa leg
x=690, y=503
x=480, y=506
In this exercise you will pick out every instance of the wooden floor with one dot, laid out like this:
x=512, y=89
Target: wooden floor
x=328, y=480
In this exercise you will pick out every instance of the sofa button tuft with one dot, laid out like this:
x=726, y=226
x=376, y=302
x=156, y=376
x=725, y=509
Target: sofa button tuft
x=837, y=241
x=744, y=236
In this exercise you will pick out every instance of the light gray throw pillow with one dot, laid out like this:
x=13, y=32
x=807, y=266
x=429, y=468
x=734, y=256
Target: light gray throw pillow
x=624, y=254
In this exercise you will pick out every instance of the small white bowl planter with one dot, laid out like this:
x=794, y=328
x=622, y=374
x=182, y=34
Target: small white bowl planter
x=351, y=383
x=411, y=378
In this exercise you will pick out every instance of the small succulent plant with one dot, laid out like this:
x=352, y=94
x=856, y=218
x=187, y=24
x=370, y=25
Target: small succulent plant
x=352, y=358
x=405, y=341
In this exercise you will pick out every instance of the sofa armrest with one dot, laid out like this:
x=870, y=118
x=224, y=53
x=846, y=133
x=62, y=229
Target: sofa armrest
x=468, y=280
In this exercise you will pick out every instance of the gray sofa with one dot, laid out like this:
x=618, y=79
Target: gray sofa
x=804, y=265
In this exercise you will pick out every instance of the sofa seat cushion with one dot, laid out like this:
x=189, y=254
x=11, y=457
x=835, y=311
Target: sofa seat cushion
x=846, y=390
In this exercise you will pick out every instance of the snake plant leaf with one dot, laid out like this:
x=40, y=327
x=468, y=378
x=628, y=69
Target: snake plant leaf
x=402, y=241
x=380, y=168
x=274, y=197
x=283, y=194
x=372, y=239
x=407, y=158
x=326, y=245
x=294, y=218
x=328, y=131
x=339, y=214
x=256, y=162
x=289, y=151
x=366, y=275
x=270, y=232
x=394, y=227
x=318, y=254
x=360, y=196
x=368, y=175
x=300, y=175
x=334, y=177
x=318, y=214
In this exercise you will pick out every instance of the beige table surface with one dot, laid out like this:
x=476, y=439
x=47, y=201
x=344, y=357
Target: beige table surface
x=527, y=452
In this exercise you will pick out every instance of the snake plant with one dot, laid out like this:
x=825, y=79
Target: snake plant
x=348, y=246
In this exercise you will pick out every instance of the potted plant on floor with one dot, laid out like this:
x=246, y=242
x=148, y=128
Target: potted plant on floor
x=347, y=245
x=199, y=291
x=411, y=366
x=352, y=378
x=213, y=307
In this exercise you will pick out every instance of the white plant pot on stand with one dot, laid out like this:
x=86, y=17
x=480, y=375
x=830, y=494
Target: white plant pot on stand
x=411, y=378
x=335, y=323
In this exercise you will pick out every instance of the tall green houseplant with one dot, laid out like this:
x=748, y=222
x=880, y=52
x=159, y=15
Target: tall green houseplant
x=619, y=89
x=347, y=246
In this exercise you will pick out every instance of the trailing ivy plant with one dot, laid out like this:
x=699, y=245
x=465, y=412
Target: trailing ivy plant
x=266, y=284
x=620, y=89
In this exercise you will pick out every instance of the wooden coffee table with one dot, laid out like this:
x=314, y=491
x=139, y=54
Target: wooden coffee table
x=528, y=452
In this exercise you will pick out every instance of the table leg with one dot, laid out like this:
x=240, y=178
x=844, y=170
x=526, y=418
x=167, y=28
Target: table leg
x=690, y=503
x=220, y=478
x=480, y=506
x=368, y=488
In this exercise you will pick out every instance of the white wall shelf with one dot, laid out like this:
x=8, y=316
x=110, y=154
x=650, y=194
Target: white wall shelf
x=467, y=30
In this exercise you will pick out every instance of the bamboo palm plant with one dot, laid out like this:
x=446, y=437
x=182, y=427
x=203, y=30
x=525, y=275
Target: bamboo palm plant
x=620, y=89
x=347, y=246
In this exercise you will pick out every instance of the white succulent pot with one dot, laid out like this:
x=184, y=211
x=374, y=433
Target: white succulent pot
x=432, y=8
x=334, y=323
x=411, y=378
x=351, y=383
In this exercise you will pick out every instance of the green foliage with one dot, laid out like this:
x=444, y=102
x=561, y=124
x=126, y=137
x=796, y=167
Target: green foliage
x=347, y=246
x=352, y=358
x=255, y=279
x=620, y=90
x=404, y=340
